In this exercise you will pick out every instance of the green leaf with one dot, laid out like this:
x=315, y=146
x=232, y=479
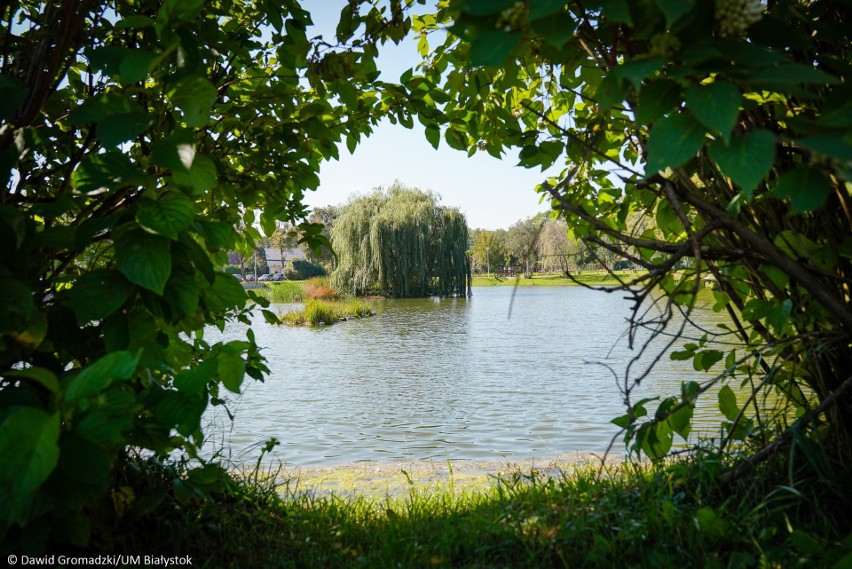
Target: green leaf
x=690, y=390
x=232, y=368
x=615, y=10
x=493, y=47
x=716, y=106
x=637, y=70
x=805, y=186
x=219, y=234
x=728, y=403
x=681, y=421
x=177, y=152
x=433, y=135
x=29, y=445
x=97, y=108
x=97, y=294
x=544, y=8
x=746, y=159
x=16, y=305
x=181, y=410
x=555, y=29
x=135, y=65
x=622, y=421
x=656, y=99
x=95, y=378
x=674, y=9
x=706, y=359
x=456, y=139
x=611, y=91
x=656, y=439
x=672, y=141
x=196, y=378
x=794, y=73
x=182, y=292
x=143, y=258
x=226, y=293
x=834, y=145
x=120, y=128
x=167, y=216
x=682, y=355
x=194, y=96
x=186, y=10
x=485, y=7
x=12, y=94
x=709, y=522
x=106, y=172
x=202, y=174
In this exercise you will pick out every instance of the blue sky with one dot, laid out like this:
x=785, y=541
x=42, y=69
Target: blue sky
x=491, y=193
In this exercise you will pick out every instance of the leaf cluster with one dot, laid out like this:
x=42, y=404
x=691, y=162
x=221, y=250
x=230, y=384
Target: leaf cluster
x=139, y=143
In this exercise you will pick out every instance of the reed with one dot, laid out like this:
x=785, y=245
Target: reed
x=319, y=312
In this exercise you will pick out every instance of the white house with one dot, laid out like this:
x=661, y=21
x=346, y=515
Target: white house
x=277, y=262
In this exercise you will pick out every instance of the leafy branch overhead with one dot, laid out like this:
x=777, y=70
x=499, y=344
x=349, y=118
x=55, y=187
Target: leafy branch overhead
x=726, y=125
x=136, y=140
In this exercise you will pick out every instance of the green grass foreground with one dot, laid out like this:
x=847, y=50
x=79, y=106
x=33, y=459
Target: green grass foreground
x=632, y=516
x=592, y=278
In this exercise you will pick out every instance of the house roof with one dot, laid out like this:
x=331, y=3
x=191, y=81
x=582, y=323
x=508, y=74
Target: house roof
x=274, y=255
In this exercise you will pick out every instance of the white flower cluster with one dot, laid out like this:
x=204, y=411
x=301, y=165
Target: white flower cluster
x=735, y=16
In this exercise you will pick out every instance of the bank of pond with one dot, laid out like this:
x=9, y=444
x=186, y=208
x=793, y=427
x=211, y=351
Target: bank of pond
x=625, y=514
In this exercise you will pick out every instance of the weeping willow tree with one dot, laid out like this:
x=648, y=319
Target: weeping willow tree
x=401, y=242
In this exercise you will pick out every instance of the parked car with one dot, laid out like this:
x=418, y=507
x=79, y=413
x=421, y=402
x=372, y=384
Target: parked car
x=263, y=277
x=238, y=276
x=249, y=278
x=278, y=277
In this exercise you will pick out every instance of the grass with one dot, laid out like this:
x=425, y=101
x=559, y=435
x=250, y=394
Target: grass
x=588, y=277
x=297, y=291
x=318, y=311
x=635, y=515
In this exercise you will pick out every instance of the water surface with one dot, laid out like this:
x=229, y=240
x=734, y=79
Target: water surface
x=432, y=379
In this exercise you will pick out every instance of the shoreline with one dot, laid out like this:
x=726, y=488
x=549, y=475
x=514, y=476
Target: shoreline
x=375, y=479
x=588, y=278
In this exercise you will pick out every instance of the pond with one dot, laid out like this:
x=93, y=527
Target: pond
x=439, y=379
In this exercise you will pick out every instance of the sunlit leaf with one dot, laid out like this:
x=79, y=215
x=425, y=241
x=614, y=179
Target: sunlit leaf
x=715, y=105
x=746, y=159
x=143, y=258
x=672, y=141
x=168, y=215
x=728, y=403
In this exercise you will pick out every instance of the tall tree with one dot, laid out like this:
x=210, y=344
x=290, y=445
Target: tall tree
x=326, y=216
x=521, y=239
x=402, y=243
x=556, y=249
x=488, y=249
x=727, y=122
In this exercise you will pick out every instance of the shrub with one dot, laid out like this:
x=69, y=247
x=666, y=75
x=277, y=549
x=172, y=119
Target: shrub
x=305, y=270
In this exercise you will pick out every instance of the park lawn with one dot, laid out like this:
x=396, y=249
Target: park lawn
x=591, y=278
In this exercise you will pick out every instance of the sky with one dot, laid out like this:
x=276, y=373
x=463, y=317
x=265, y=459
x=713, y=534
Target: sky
x=492, y=193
